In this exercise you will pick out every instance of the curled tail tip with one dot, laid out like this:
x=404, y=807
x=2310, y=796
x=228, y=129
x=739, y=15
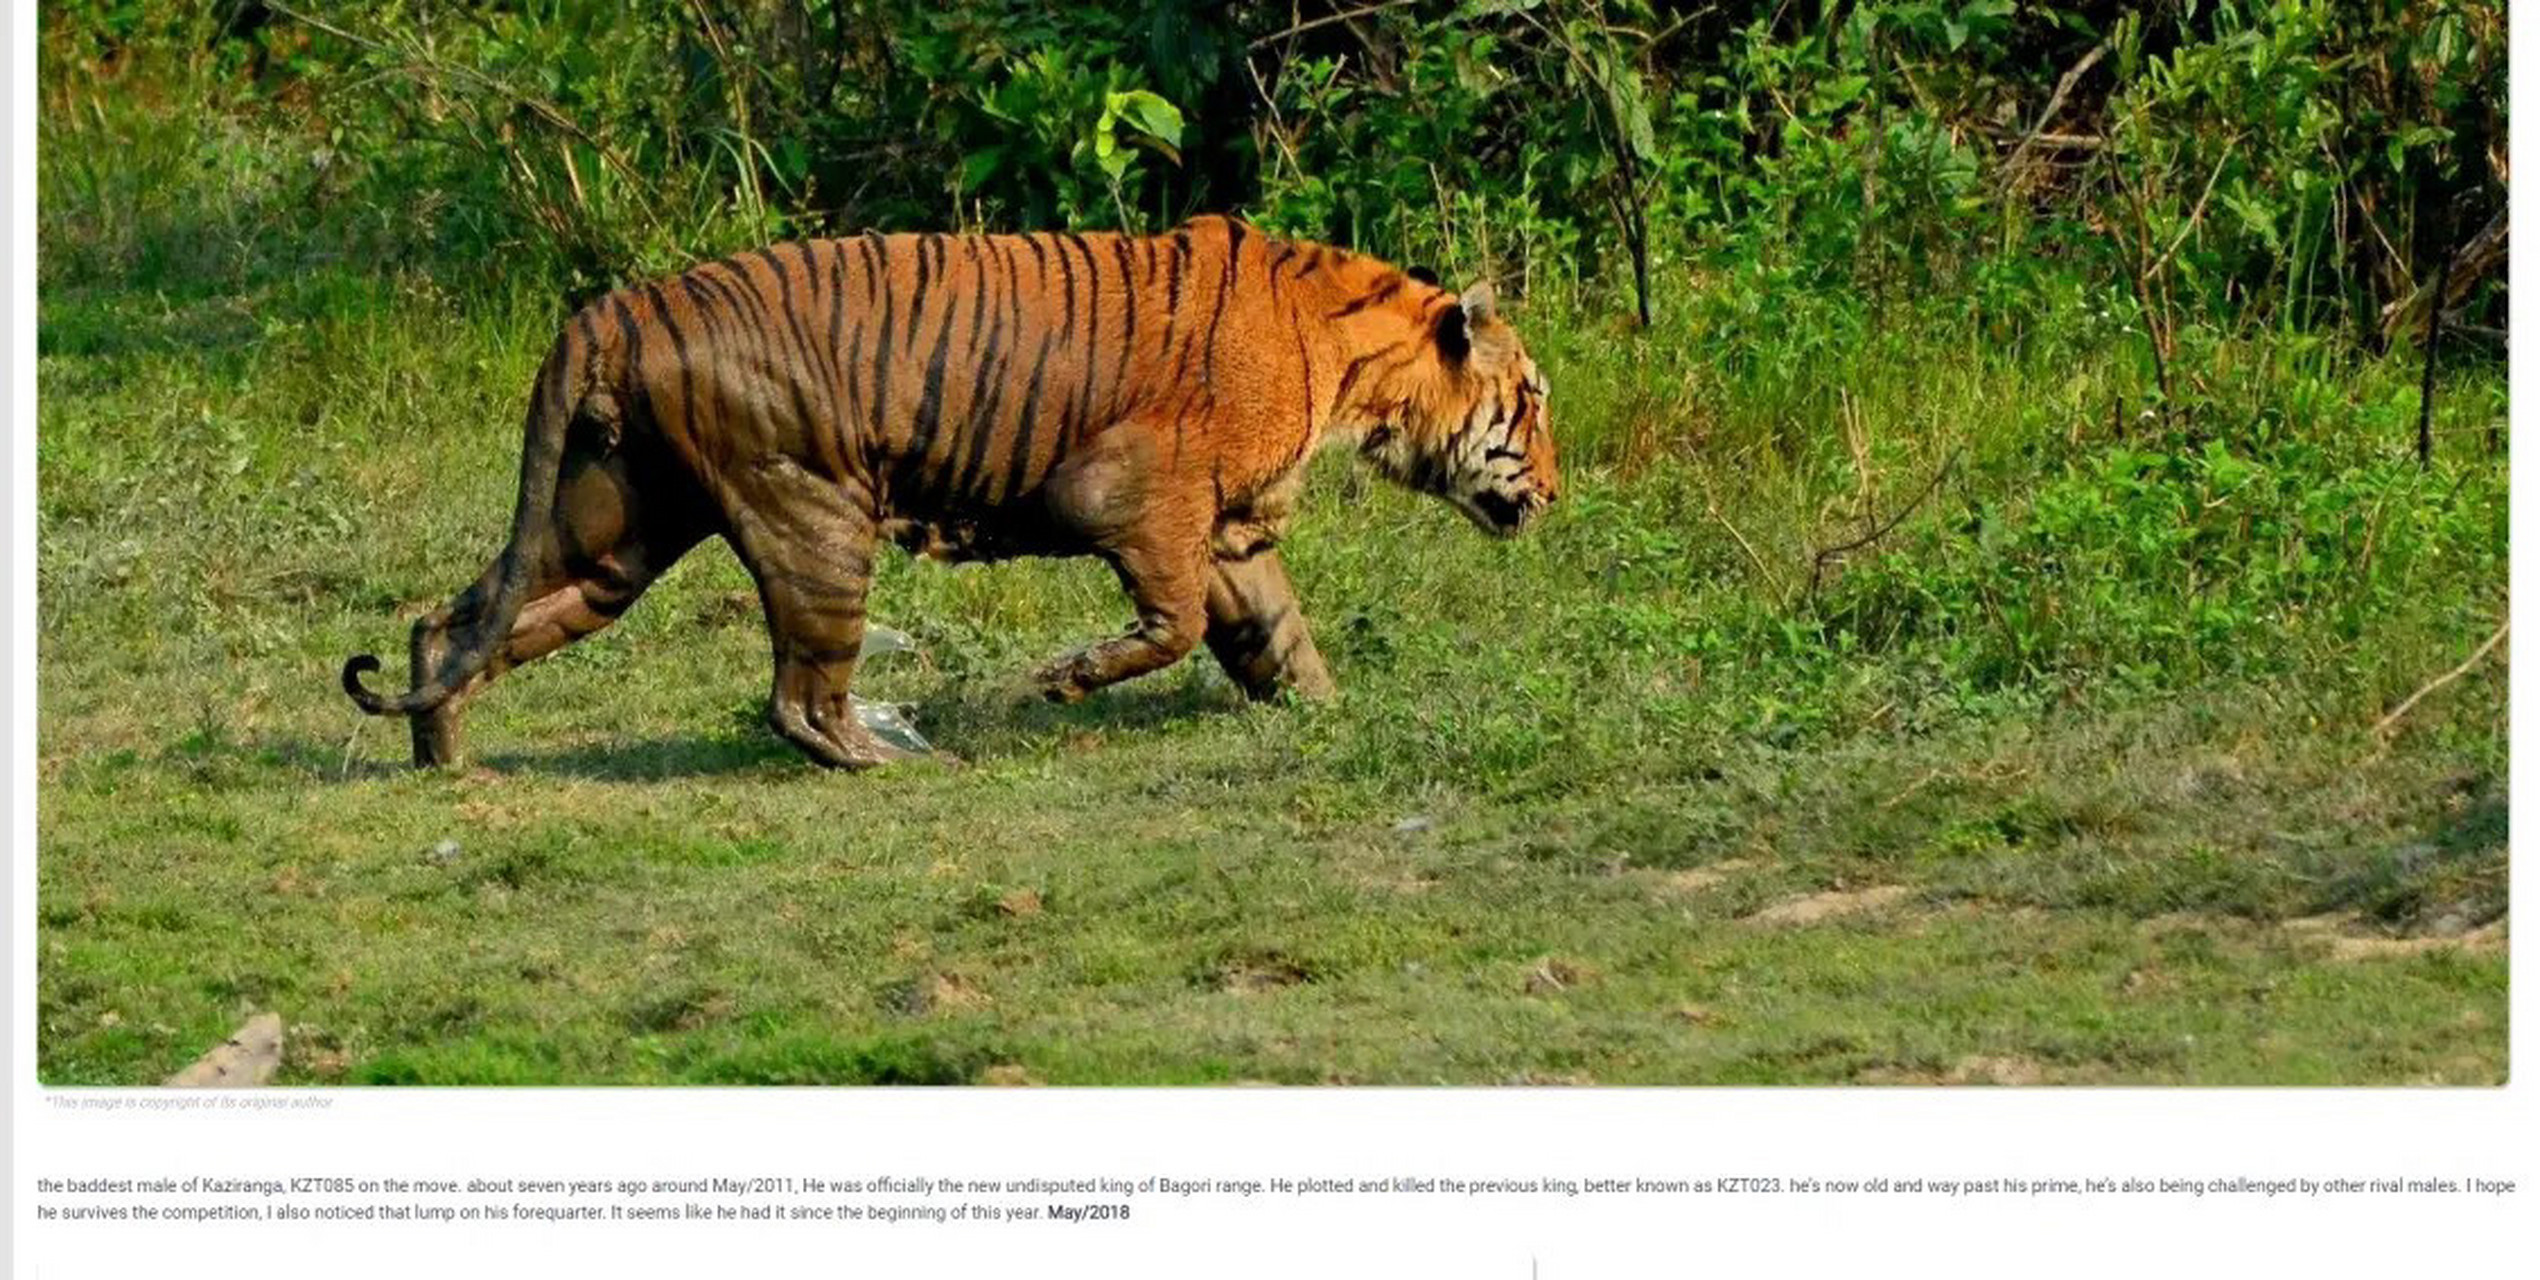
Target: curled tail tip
x=355, y=668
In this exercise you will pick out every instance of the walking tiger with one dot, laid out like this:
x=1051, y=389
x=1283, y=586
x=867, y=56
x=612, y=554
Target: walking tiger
x=1149, y=400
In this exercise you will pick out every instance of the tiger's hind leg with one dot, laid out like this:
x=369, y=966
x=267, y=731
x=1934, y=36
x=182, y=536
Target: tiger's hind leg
x=607, y=547
x=809, y=543
x=1257, y=629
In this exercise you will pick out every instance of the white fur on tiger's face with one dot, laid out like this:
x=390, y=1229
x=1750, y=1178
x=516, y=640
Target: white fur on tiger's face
x=1473, y=427
x=1500, y=463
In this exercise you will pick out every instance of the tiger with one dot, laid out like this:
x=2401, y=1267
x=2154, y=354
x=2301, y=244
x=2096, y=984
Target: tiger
x=1149, y=400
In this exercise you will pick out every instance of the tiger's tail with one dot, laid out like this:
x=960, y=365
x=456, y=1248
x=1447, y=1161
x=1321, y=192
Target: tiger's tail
x=495, y=600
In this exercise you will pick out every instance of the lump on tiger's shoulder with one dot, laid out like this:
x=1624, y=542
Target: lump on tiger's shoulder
x=889, y=721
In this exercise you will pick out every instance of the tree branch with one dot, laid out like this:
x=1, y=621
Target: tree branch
x=1828, y=555
x=1328, y=19
x=2055, y=103
x=543, y=110
x=2383, y=725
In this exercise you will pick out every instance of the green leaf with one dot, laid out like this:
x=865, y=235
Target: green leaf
x=1148, y=113
x=979, y=166
x=1629, y=103
x=1838, y=91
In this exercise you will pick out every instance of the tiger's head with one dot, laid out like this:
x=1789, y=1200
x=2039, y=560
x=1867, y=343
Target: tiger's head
x=1470, y=425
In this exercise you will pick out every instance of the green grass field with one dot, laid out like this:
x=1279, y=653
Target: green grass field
x=2071, y=777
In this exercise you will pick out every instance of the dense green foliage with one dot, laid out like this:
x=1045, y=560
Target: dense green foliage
x=2008, y=511
x=2303, y=156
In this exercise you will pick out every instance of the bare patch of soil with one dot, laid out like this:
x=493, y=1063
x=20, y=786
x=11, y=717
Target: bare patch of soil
x=1832, y=904
x=1996, y=1069
x=1262, y=973
x=249, y=1057
x=1700, y=879
x=1554, y=974
x=952, y=991
x=2347, y=938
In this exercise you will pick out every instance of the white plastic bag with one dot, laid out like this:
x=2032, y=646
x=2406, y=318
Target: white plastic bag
x=888, y=721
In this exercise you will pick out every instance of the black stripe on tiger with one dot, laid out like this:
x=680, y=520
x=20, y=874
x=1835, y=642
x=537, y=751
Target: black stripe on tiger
x=630, y=336
x=1130, y=287
x=806, y=354
x=880, y=427
x=987, y=388
x=925, y=279
x=1003, y=341
x=680, y=421
x=1019, y=460
x=930, y=404
x=1373, y=297
x=1081, y=415
x=1174, y=262
x=1225, y=294
x=1067, y=290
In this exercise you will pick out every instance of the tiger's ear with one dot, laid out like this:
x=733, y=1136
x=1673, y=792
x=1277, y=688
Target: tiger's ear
x=1423, y=275
x=1456, y=323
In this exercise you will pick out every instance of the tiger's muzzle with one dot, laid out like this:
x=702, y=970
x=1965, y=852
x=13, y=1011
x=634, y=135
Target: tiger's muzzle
x=1504, y=515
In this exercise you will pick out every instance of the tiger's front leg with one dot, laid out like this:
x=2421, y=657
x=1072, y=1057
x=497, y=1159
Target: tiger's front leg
x=1165, y=584
x=1256, y=627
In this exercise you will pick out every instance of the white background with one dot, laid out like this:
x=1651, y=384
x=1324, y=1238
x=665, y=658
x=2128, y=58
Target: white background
x=1188, y=1134
x=1343, y=1133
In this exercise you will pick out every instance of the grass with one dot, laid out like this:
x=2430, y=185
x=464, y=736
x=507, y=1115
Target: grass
x=2068, y=778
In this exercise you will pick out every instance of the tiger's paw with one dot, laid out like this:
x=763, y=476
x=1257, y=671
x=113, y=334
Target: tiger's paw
x=1065, y=680
x=834, y=742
